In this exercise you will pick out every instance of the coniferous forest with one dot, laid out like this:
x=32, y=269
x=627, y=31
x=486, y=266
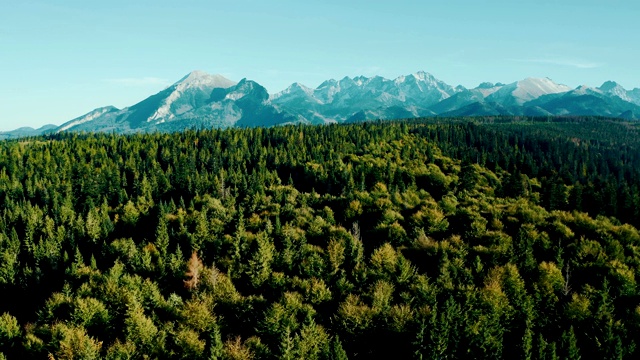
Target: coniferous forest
x=469, y=238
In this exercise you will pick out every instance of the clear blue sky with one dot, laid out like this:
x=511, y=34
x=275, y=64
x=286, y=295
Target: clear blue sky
x=61, y=59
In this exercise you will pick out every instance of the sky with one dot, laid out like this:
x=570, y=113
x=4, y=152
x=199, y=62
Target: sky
x=62, y=59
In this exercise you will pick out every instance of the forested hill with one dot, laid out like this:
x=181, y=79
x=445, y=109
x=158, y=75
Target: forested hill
x=427, y=239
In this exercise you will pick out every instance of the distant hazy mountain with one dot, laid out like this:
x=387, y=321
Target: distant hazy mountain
x=586, y=101
x=27, y=131
x=539, y=97
x=466, y=97
x=201, y=100
x=499, y=99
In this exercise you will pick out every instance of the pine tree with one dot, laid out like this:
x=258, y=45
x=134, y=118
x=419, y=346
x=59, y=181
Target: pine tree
x=216, y=346
x=421, y=349
x=337, y=352
x=287, y=346
x=162, y=236
x=570, y=345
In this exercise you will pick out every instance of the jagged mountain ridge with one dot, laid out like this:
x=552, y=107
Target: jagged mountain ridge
x=374, y=97
x=203, y=100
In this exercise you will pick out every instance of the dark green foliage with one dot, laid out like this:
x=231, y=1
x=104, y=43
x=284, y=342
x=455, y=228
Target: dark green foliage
x=429, y=239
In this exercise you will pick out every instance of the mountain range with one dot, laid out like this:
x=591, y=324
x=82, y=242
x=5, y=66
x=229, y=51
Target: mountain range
x=201, y=100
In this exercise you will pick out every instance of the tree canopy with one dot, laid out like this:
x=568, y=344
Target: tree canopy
x=428, y=239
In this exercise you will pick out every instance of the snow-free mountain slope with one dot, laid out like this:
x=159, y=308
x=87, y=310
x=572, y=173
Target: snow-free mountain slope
x=393, y=112
x=480, y=108
x=457, y=101
x=465, y=97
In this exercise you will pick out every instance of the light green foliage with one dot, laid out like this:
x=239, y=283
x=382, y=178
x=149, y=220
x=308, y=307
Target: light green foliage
x=384, y=260
x=74, y=343
x=314, y=290
x=218, y=285
x=93, y=224
x=141, y=330
x=130, y=213
x=336, y=255
x=354, y=316
x=579, y=307
x=9, y=329
x=312, y=342
x=287, y=347
x=89, y=312
x=121, y=351
x=550, y=281
x=381, y=296
x=235, y=349
x=197, y=314
x=125, y=249
x=189, y=344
